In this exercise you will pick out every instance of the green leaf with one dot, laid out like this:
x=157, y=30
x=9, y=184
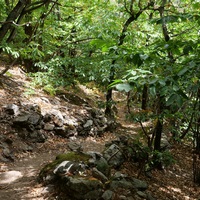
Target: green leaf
x=162, y=82
x=152, y=90
x=124, y=86
x=171, y=100
x=153, y=81
x=179, y=100
x=183, y=71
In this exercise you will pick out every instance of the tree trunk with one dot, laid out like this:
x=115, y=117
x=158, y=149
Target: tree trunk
x=144, y=97
x=14, y=14
x=133, y=16
x=158, y=135
x=108, y=110
x=196, y=156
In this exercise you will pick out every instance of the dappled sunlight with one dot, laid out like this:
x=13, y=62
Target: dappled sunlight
x=9, y=177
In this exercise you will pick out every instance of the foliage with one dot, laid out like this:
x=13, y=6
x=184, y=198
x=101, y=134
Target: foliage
x=152, y=44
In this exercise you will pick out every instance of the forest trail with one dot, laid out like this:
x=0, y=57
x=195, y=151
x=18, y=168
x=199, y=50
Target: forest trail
x=173, y=183
x=19, y=180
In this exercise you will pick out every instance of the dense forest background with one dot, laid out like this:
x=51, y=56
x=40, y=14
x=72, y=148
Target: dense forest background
x=148, y=49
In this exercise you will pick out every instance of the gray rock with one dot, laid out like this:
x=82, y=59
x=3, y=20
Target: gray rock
x=49, y=127
x=118, y=176
x=142, y=194
x=58, y=118
x=8, y=154
x=47, y=117
x=75, y=146
x=25, y=119
x=99, y=162
x=116, y=184
x=82, y=188
x=107, y=195
x=99, y=175
x=89, y=123
x=34, y=118
x=94, y=194
x=149, y=197
x=37, y=136
x=12, y=109
x=164, y=142
x=114, y=156
x=22, y=119
x=26, y=147
x=120, y=180
x=138, y=184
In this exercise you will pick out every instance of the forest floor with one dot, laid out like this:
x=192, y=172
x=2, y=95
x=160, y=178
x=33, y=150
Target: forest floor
x=18, y=179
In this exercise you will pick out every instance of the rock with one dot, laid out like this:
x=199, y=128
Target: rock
x=69, y=168
x=70, y=121
x=99, y=175
x=62, y=131
x=123, y=183
x=120, y=180
x=107, y=195
x=149, y=197
x=8, y=154
x=25, y=119
x=114, y=156
x=12, y=109
x=47, y=118
x=22, y=119
x=49, y=127
x=89, y=123
x=82, y=188
x=58, y=118
x=99, y=162
x=142, y=194
x=34, y=118
x=34, y=107
x=164, y=142
x=138, y=184
x=37, y=136
x=75, y=146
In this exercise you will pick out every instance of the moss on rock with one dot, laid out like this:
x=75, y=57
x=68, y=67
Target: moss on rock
x=70, y=156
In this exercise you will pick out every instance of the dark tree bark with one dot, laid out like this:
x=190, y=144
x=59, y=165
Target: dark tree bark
x=14, y=14
x=144, y=97
x=196, y=153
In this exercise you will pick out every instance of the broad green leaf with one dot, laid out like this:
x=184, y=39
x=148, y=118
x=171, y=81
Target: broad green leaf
x=171, y=100
x=179, y=100
x=183, y=71
x=153, y=81
x=162, y=82
x=152, y=90
x=124, y=86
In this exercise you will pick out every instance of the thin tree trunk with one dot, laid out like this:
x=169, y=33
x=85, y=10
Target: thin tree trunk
x=133, y=16
x=144, y=97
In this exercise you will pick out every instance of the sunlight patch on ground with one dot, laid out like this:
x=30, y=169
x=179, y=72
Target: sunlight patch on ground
x=9, y=177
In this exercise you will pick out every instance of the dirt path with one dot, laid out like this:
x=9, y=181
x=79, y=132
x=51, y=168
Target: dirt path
x=19, y=179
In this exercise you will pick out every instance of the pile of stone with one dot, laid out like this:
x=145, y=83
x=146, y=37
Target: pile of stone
x=32, y=124
x=93, y=175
